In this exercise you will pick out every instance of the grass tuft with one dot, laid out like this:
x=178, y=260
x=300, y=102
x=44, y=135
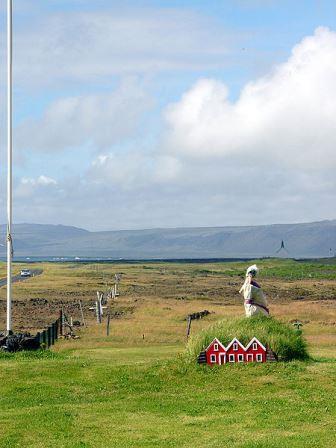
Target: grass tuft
x=284, y=340
x=30, y=355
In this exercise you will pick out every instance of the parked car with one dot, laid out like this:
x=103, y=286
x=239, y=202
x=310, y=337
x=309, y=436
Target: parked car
x=25, y=273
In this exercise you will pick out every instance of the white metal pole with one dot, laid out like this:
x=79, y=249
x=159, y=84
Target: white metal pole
x=9, y=165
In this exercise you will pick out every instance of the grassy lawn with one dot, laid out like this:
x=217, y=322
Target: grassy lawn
x=135, y=389
x=103, y=401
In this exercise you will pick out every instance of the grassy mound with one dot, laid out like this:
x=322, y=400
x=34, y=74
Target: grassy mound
x=283, y=339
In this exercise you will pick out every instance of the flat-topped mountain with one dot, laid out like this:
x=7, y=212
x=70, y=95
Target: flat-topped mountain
x=317, y=239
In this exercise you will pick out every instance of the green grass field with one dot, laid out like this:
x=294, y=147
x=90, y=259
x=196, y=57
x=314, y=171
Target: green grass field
x=128, y=391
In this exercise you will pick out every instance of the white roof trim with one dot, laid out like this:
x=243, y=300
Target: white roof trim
x=216, y=341
x=233, y=341
x=257, y=341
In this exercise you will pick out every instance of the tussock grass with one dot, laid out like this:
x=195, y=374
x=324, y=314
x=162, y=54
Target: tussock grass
x=283, y=339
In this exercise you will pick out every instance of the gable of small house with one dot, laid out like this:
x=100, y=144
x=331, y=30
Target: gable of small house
x=235, y=351
x=213, y=351
x=255, y=346
x=255, y=351
x=215, y=346
x=235, y=346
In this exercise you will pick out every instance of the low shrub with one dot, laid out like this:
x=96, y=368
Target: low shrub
x=286, y=341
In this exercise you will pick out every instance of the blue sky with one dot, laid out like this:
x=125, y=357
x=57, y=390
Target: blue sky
x=171, y=112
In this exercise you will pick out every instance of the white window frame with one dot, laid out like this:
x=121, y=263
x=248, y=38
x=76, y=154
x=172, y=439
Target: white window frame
x=235, y=346
x=216, y=347
x=213, y=358
x=249, y=357
x=259, y=357
x=255, y=346
x=231, y=357
x=240, y=357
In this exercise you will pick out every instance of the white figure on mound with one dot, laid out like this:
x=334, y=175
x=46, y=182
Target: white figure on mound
x=254, y=299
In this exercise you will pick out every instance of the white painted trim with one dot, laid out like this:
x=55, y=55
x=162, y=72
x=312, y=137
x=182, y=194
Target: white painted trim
x=259, y=355
x=215, y=341
x=216, y=346
x=232, y=342
x=220, y=358
x=232, y=354
x=257, y=341
x=213, y=360
x=242, y=357
x=249, y=355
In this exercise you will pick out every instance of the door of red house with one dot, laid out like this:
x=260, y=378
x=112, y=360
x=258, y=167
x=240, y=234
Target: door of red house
x=222, y=358
x=249, y=357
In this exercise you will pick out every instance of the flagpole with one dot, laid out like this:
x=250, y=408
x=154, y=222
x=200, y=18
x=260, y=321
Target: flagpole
x=9, y=165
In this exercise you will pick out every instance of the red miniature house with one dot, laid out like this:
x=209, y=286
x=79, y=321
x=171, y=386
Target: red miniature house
x=217, y=353
x=235, y=351
x=255, y=351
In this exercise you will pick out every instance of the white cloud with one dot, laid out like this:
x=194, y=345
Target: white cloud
x=41, y=180
x=267, y=157
x=135, y=170
x=97, y=120
x=115, y=41
x=167, y=169
x=287, y=117
x=40, y=188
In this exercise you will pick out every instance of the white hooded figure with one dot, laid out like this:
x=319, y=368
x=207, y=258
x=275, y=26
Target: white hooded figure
x=254, y=299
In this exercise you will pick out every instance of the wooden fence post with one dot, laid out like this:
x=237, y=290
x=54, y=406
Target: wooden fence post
x=48, y=337
x=52, y=327
x=188, y=326
x=98, y=312
x=108, y=324
x=100, y=301
x=38, y=338
x=56, y=328
x=61, y=322
x=44, y=338
x=82, y=312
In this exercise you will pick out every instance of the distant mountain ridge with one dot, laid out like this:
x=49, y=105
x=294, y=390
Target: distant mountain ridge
x=316, y=239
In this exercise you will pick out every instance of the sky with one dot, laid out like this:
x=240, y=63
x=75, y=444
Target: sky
x=146, y=114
